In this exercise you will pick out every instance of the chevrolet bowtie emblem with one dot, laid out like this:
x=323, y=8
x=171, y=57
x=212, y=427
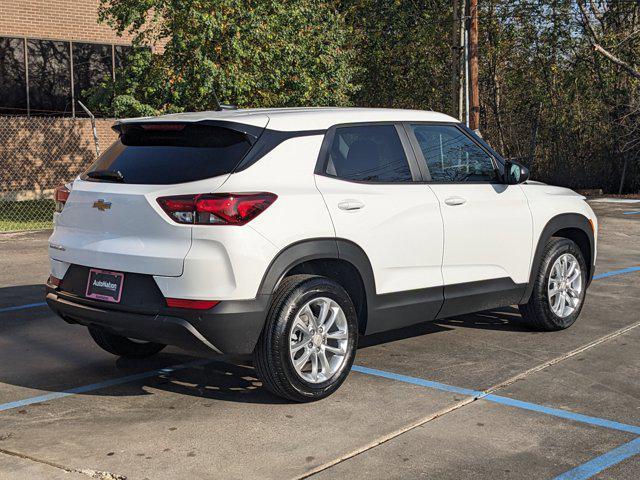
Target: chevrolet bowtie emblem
x=102, y=205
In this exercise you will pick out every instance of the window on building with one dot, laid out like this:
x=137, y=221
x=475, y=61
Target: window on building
x=13, y=87
x=49, y=78
x=92, y=63
x=45, y=87
x=371, y=153
x=122, y=52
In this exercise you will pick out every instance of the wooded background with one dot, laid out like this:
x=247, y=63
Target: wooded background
x=559, y=79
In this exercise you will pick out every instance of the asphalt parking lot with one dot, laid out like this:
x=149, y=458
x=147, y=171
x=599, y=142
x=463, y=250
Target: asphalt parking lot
x=478, y=396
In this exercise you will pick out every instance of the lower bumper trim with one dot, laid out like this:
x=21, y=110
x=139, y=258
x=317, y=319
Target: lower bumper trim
x=231, y=329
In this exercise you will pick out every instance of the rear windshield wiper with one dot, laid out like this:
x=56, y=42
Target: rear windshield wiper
x=106, y=175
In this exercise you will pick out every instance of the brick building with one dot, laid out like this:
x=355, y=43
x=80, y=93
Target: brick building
x=50, y=52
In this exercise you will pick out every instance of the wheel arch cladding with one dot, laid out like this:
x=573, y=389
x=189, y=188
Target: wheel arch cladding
x=338, y=259
x=575, y=227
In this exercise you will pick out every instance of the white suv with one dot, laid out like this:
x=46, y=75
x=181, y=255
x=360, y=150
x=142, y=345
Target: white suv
x=285, y=233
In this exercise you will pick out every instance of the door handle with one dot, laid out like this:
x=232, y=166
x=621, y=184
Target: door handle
x=350, y=205
x=454, y=201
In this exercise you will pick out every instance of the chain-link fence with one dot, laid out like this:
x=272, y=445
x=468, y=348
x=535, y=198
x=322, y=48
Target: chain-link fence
x=38, y=154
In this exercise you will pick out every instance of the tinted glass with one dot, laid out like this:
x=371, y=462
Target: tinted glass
x=49, y=77
x=122, y=53
x=452, y=156
x=185, y=153
x=13, y=94
x=368, y=153
x=91, y=65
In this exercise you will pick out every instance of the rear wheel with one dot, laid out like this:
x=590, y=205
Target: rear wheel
x=123, y=346
x=559, y=288
x=309, y=341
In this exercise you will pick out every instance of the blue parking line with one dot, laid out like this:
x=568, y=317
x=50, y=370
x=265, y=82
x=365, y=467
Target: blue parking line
x=581, y=472
x=616, y=272
x=22, y=307
x=576, y=417
x=479, y=395
x=604, y=461
x=416, y=381
x=631, y=213
x=100, y=385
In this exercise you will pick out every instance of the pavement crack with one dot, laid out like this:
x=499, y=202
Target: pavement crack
x=561, y=358
x=87, y=472
x=463, y=403
x=390, y=436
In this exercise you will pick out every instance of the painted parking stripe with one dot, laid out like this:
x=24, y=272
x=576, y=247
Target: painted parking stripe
x=101, y=385
x=576, y=417
x=556, y=412
x=616, y=272
x=415, y=381
x=22, y=307
x=581, y=472
x=604, y=461
x=631, y=213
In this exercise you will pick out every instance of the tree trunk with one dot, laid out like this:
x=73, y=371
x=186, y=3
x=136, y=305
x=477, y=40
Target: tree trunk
x=624, y=171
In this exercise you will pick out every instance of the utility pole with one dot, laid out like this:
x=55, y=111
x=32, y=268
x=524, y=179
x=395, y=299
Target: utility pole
x=462, y=35
x=467, y=102
x=474, y=97
x=455, y=61
x=457, y=46
x=465, y=62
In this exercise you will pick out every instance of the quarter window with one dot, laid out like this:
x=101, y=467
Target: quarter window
x=371, y=153
x=452, y=156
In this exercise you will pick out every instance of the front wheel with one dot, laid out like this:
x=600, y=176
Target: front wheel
x=309, y=341
x=559, y=287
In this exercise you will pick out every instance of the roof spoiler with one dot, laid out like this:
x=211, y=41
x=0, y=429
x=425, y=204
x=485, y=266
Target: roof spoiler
x=251, y=131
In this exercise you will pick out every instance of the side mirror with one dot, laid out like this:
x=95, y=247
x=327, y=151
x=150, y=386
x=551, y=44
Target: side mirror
x=515, y=173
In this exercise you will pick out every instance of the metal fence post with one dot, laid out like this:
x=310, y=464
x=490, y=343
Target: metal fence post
x=93, y=126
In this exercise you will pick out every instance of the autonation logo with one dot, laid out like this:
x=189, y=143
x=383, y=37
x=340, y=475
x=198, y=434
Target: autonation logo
x=105, y=284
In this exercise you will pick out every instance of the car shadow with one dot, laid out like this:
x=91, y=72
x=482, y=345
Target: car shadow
x=41, y=352
x=14, y=296
x=506, y=319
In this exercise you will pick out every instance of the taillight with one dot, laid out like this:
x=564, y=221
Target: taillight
x=216, y=208
x=61, y=195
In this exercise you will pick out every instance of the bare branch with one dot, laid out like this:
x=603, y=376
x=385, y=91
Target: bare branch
x=598, y=14
x=599, y=48
x=587, y=23
x=628, y=68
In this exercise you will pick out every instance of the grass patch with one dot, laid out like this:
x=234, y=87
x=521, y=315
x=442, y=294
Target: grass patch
x=26, y=215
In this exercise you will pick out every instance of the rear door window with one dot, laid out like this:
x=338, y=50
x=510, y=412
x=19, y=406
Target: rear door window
x=162, y=154
x=368, y=153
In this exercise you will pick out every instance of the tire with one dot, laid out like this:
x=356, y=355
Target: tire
x=283, y=334
x=538, y=312
x=123, y=346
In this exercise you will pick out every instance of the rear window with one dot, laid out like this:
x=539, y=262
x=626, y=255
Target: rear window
x=162, y=154
x=368, y=153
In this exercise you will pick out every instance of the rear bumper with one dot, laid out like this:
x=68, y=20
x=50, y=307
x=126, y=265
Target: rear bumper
x=230, y=328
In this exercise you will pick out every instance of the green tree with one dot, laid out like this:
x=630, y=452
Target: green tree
x=403, y=52
x=252, y=53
